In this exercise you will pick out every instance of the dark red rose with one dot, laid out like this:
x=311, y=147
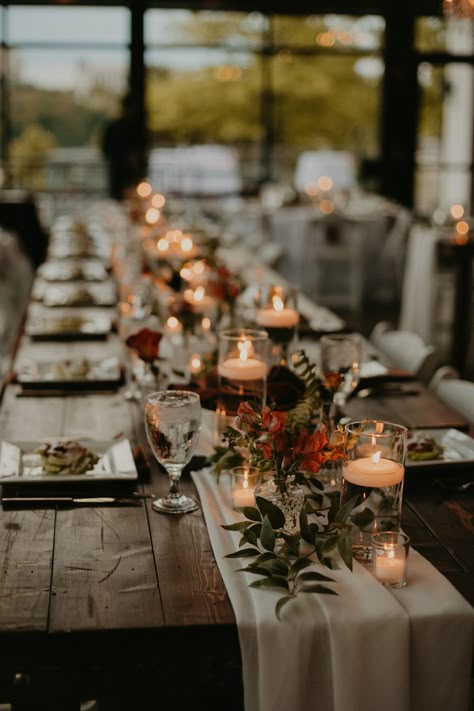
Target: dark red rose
x=146, y=343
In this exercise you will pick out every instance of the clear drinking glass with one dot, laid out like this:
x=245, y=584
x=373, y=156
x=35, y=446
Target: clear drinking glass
x=341, y=353
x=173, y=424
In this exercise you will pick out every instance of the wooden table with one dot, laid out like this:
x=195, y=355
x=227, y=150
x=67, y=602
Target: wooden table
x=118, y=603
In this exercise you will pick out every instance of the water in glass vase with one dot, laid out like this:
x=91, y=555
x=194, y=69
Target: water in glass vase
x=380, y=497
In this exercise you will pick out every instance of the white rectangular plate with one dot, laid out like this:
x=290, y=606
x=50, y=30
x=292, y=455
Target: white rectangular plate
x=80, y=294
x=45, y=327
x=63, y=271
x=70, y=374
x=20, y=465
x=458, y=449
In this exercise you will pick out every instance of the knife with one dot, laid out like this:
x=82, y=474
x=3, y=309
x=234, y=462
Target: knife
x=134, y=500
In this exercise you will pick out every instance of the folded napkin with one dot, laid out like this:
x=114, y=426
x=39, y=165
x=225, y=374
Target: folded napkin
x=370, y=647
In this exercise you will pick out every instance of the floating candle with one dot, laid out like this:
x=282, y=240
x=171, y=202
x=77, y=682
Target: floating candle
x=271, y=318
x=242, y=369
x=373, y=472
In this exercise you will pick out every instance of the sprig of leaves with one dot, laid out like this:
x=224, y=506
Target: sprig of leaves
x=277, y=555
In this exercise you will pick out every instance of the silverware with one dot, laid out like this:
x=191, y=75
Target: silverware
x=135, y=499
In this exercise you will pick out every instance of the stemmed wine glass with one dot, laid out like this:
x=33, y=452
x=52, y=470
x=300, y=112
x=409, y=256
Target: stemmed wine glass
x=341, y=353
x=173, y=424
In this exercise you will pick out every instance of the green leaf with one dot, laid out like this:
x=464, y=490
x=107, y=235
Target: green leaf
x=267, y=536
x=298, y=565
x=333, y=509
x=344, y=544
x=292, y=544
x=256, y=569
x=275, y=515
x=343, y=513
x=244, y=553
x=314, y=575
x=251, y=513
x=322, y=589
x=252, y=534
x=304, y=528
x=276, y=566
x=363, y=518
x=281, y=603
x=272, y=582
x=239, y=526
x=266, y=556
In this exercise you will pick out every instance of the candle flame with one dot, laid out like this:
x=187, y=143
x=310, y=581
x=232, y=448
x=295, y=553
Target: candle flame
x=376, y=457
x=172, y=322
x=144, y=189
x=187, y=244
x=163, y=244
x=158, y=200
x=152, y=215
x=206, y=323
x=278, y=304
x=199, y=293
x=244, y=347
x=245, y=483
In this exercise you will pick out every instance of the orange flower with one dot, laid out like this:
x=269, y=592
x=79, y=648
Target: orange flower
x=333, y=380
x=146, y=343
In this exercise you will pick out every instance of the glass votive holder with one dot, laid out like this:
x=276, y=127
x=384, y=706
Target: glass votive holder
x=390, y=558
x=277, y=312
x=242, y=367
x=373, y=471
x=244, y=480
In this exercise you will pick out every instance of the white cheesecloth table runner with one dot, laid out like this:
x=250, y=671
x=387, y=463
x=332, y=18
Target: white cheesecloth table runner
x=368, y=648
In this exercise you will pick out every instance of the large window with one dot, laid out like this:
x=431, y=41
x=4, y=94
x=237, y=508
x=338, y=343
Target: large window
x=445, y=133
x=66, y=69
x=269, y=87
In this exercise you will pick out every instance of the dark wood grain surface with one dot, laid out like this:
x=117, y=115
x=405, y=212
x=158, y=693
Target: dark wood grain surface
x=117, y=602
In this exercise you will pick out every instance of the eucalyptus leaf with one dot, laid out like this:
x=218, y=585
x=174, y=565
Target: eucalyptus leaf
x=267, y=508
x=344, y=544
x=243, y=553
x=268, y=555
x=267, y=536
x=313, y=575
x=304, y=528
x=343, y=513
x=251, y=513
x=299, y=565
x=250, y=536
x=272, y=582
x=281, y=603
x=239, y=526
x=363, y=518
x=322, y=589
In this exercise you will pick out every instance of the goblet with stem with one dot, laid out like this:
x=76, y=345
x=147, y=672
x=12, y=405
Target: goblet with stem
x=173, y=424
x=341, y=353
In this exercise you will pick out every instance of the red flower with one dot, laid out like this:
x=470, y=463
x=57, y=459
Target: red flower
x=333, y=380
x=146, y=343
x=274, y=422
x=309, y=449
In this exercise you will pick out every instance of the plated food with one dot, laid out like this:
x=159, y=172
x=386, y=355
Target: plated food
x=68, y=457
x=66, y=460
x=422, y=447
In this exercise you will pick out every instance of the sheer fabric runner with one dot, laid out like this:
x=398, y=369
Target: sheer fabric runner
x=370, y=647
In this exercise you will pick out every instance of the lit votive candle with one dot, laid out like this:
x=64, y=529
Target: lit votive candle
x=242, y=369
x=244, y=480
x=200, y=301
x=173, y=326
x=390, y=557
x=375, y=471
x=277, y=315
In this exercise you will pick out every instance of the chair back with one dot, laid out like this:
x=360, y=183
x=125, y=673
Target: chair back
x=458, y=394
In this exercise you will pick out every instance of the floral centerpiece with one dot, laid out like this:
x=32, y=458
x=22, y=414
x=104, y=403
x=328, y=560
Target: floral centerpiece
x=291, y=447
x=225, y=286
